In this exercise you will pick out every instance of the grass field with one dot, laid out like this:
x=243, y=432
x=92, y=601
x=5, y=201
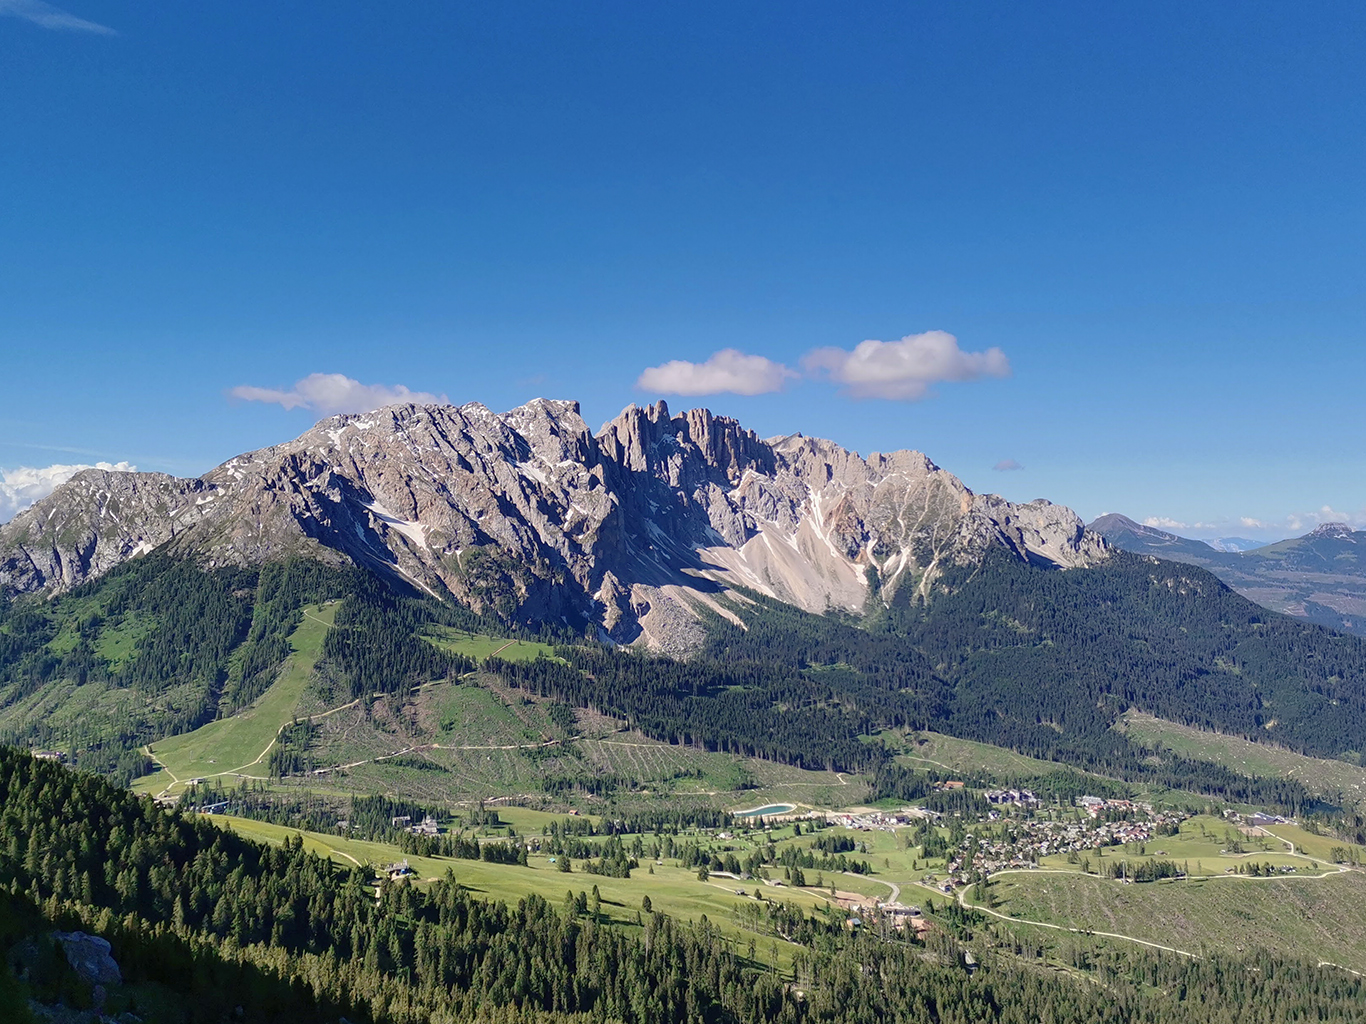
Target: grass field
x=672, y=889
x=935, y=750
x=1313, y=845
x=1316, y=919
x=117, y=644
x=478, y=646
x=1318, y=775
x=240, y=743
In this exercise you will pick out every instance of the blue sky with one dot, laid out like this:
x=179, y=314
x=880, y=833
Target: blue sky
x=1140, y=229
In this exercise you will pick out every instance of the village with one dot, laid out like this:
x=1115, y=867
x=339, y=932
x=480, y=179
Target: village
x=1021, y=843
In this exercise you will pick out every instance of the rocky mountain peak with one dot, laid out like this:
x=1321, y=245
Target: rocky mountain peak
x=635, y=528
x=693, y=445
x=1339, y=530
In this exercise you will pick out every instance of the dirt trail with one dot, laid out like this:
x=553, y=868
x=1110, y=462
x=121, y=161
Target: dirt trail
x=963, y=902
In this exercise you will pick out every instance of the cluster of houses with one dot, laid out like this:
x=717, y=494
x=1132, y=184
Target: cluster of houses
x=1031, y=840
x=885, y=821
x=1018, y=797
x=426, y=827
x=1095, y=806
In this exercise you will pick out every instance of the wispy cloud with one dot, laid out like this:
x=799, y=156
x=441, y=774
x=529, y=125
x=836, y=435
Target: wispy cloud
x=47, y=16
x=1296, y=523
x=1292, y=524
x=901, y=370
x=1007, y=466
x=729, y=370
x=904, y=370
x=331, y=393
x=20, y=488
x=1165, y=523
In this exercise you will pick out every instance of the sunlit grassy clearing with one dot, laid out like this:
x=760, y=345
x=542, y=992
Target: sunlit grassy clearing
x=479, y=646
x=1205, y=846
x=672, y=890
x=232, y=743
x=1318, y=775
x=1317, y=919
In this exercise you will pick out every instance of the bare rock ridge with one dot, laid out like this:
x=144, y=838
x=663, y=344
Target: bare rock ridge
x=635, y=528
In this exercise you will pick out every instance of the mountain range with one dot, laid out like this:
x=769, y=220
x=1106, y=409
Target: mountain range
x=632, y=531
x=1320, y=576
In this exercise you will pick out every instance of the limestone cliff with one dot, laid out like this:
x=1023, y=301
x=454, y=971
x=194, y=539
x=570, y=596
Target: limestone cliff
x=529, y=513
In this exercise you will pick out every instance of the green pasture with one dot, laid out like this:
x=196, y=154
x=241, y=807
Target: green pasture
x=1312, y=845
x=117, y=644
x=947, y=753
x=479, y=646
x=240, y=744
x=673, y=890
x=1206, y=845
x=1321, y=776
x=1319, y=919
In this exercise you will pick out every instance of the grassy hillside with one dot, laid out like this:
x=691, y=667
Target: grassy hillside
x=479, y=646
x=670, y=888
x=237, y=747
x=1320, y=776
x=787, y=710
x=1316, y=919
x=1208, y=846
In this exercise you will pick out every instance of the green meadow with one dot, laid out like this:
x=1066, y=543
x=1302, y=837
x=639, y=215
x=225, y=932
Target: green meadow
x=238, y=746
x=479, y=646
x=1319, y=919
x=672, y=889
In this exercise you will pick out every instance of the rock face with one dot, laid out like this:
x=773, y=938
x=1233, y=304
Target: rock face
x=90, y=957
x=532, y=515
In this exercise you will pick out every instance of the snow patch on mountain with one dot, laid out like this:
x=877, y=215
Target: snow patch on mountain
x=638, y=528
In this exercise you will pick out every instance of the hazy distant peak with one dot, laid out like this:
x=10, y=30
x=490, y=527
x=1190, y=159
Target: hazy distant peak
x=1333, y=530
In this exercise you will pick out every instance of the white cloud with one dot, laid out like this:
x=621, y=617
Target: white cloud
x=1007, y=466
x=1291, y=524
x=1164, y=523
x=1327, y=514
x=1294, y=524
x=729, y=370
x=331, y=393
x=904, y=369
x=47, y=16
x=20, y=488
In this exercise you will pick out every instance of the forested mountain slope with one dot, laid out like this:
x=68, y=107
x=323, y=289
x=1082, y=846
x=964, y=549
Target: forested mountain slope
x=1041, y=661
x=225, y=929
x=1320, y=576
x=159, y=646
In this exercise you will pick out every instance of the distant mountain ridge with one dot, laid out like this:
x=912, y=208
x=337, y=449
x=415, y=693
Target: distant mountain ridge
x=531, y=514
x=1320, y=576
x=1229, y=544
x=1123, y=532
